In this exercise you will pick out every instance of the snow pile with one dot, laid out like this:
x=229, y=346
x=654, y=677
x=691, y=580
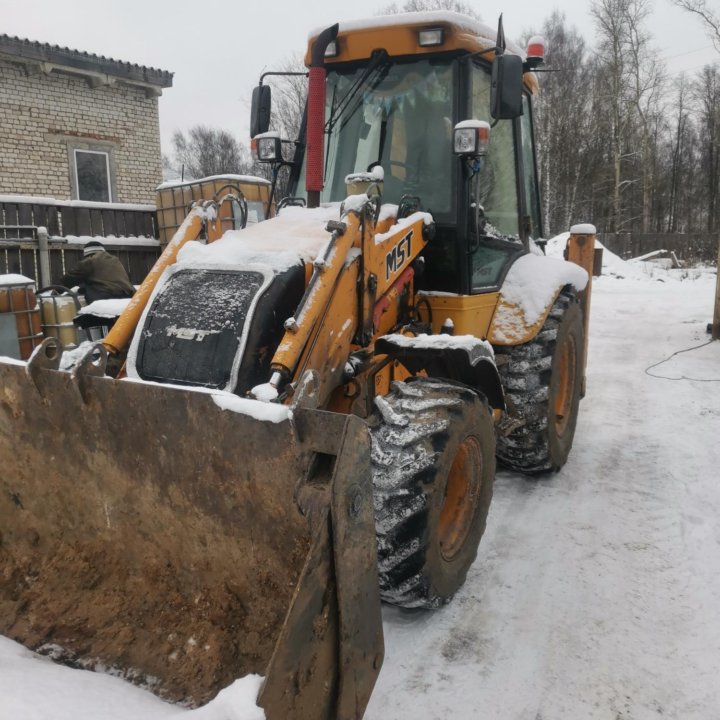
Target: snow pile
x=295, y=235
x=14, y=279
x=5, y=360
x=235, y=702
x=613, y=266
x=33, y=687
x=354, y=203
x=70, y=358
x=263, y=411
x=258, y=409
x=266, y=392
x=388, y=211
x=377, y=174
x=105, y=308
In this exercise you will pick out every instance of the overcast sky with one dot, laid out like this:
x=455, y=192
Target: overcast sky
x=218, y=48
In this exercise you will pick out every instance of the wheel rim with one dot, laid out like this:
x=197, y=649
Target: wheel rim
x=566, y=384
x=461, y=497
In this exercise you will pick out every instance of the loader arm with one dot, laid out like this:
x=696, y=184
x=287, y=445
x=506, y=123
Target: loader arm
x=349, y=294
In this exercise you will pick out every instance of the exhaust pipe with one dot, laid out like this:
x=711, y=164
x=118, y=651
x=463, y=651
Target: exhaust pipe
x=315, y=145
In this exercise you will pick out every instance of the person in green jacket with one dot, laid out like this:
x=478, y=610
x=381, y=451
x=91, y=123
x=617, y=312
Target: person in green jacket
x=100, y=275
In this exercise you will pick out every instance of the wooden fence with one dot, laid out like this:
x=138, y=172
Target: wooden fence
x=690, y=247
x=131, y=231
x=22, y=257
x=20, y=218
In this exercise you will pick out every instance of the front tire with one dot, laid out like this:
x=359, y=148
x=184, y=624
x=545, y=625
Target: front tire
x=433, y=459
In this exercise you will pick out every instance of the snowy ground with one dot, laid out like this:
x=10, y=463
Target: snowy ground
x=596, y=593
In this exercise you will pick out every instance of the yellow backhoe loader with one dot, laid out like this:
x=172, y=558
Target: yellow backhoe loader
x=313, y=406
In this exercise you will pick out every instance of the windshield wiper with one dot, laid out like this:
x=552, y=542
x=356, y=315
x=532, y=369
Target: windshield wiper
x=378, y=61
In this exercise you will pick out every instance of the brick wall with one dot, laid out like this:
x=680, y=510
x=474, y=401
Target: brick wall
x=41, y=115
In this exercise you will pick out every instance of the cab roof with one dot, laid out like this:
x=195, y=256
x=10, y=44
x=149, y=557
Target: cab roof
x=398, y=35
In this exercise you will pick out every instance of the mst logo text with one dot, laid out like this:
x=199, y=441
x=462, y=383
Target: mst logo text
x=398, y=255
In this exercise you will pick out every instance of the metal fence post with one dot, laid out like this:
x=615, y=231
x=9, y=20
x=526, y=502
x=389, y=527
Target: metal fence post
x=44, y=253
x=716, y=311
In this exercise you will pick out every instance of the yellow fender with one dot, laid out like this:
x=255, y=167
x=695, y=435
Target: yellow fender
x=510, y=324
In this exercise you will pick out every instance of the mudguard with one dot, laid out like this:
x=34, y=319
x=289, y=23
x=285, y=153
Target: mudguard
x=465, y=359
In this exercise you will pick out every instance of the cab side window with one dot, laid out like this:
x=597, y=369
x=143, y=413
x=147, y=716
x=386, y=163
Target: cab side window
x=532, y=197
x=498, y=183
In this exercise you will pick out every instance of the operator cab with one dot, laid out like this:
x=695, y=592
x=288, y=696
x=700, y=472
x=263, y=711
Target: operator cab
x=397, y=107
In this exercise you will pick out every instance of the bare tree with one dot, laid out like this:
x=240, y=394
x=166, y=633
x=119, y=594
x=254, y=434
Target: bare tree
x=608, y=15
x=563, y=137
x=678, y=155
x=631, y=74
x=209, y=151
x=647, y=84
x=709, y=17
x=289, y=96
x=707, y=97
x=425, y=5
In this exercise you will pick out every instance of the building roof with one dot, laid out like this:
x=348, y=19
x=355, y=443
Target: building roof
x=53, y=57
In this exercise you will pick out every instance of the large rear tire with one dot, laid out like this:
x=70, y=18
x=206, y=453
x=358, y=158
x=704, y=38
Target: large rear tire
x=542, y=380
x=433, y=459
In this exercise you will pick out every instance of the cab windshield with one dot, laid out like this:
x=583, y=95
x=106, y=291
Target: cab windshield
x=400, y=115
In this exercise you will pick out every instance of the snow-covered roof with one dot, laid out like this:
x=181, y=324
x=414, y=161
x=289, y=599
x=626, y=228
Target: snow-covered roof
x=111, y=240
x=247, y=179
x=485, y=34
x=79, y=62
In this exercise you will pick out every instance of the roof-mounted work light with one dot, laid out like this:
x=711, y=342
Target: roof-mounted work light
x=430, y=37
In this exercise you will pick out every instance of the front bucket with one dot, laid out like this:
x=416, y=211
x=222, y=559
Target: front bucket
x=146, y=530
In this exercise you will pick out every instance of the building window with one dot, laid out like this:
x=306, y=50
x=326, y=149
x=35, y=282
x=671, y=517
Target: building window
x=92, y=175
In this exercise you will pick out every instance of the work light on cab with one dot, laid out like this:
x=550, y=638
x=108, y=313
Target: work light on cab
x=268, y=147
x=430, y=37
x=471, y=138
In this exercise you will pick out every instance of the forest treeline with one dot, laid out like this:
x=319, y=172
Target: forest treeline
x=623, y=139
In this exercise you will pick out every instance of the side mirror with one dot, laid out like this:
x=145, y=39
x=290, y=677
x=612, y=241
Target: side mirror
x=260, y=110
x=506, y=88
